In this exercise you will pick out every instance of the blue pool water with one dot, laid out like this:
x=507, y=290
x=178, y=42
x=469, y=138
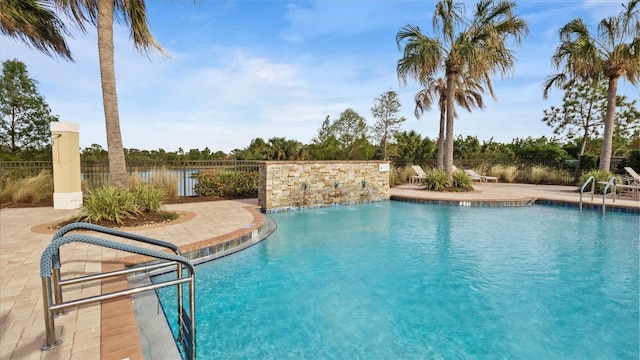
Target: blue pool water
x=396, y=280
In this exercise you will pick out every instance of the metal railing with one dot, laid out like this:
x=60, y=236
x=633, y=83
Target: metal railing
x=52, y=282
x=611, y=181
x=95, y=174
x=591, y=180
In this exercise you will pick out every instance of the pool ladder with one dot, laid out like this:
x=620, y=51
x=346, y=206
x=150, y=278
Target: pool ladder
x=52, y=282
x=610, y=183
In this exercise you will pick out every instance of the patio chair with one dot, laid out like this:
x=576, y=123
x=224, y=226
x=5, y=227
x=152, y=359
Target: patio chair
x=477, y=177
x=473, y=175
x=632, y=183
x=419, y=176
x=635, y=178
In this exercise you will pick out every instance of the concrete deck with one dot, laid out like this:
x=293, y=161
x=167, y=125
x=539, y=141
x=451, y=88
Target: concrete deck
x=108, y=330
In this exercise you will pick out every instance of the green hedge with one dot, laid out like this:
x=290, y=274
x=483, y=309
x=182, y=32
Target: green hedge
x=227, y=185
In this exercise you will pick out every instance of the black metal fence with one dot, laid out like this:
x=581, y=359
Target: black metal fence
x=96, y=174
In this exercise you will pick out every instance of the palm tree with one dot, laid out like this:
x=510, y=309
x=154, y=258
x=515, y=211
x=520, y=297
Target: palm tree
x=613, y=52
x=409, y=145
x=478, y=51
x=468, y=96
x=36, y=24
x=101, y=13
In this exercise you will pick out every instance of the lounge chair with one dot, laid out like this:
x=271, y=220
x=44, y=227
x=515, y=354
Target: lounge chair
x=635, y=178
x=420, y=174
x=473, y=175
x=633, y=183
x=477, y=177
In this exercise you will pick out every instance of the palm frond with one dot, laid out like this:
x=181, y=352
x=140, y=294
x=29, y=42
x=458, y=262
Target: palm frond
x=35, y=24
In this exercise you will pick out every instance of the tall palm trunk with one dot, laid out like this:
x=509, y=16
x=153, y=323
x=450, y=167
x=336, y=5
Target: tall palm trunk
x=609, y=125
x=117, y=164
x=451, y=90
x=441, y=149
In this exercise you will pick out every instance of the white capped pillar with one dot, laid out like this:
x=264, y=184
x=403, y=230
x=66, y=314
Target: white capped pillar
x=67, y=187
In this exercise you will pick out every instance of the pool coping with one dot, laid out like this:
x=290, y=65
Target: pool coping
x=619, y=208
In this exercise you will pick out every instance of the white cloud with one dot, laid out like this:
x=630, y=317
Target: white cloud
x=220, y=92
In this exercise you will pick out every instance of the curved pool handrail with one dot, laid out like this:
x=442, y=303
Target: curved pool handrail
x=50, y=266
x=110, y=231
x=49, y=255
x=591, y=180
x=611, y=181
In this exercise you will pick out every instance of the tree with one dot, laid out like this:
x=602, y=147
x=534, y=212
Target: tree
x=411, y=147
x=258, y=149
x=94, y=153
x=613, y=52
x=385, y=111
x=540, y=149
x=324, y=146
x=324, y=132
x=36, y=24
x=583, y=110
x=350, y=130
x=468, y=95
x=479, y=50
x=24, y=115
x=101, y=13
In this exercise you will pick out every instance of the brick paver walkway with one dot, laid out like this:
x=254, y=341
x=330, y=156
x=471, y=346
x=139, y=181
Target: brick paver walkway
x=82, y=330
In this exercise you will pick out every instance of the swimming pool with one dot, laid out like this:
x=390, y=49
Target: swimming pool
x=397, y=280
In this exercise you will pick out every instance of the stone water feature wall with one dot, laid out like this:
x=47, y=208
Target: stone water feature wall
x=292, y=185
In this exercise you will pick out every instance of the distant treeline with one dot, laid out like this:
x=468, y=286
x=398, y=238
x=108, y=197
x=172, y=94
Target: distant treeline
x=408, y=147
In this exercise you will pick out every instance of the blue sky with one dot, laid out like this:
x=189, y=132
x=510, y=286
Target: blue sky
x=241, y=69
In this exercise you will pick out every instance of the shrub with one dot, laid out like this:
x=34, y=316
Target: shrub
x=598, y=176
x=394, y=176
x=506, y=173
x=108, y=203
x=462, y=180
x=633, y=160
x=589, y=162
x=539, y=175
x=436, y=180
x=484, y=168
x=560, y=177
x=168, y=182
x=227, y=185
x=28, y=190
x=148, y=197
x=400, y=175
x=134, y=180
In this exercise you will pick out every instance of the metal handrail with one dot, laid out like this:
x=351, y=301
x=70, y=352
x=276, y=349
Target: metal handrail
x=591, y=180
x=83, y=226
x=611, y=181
x=49, y=262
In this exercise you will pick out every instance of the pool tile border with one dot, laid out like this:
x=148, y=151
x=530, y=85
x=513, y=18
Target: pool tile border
x=589, y=206
x=320, y=206
x=466, y=203
x=517, y=203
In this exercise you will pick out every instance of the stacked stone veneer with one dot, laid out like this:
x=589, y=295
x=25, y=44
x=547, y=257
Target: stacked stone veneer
x=291, y=185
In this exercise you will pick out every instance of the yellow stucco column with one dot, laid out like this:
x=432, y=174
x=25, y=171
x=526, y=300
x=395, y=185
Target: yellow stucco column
x=67, y=189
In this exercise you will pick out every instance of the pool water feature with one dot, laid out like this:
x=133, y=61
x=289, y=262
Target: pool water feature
x=395, y=280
